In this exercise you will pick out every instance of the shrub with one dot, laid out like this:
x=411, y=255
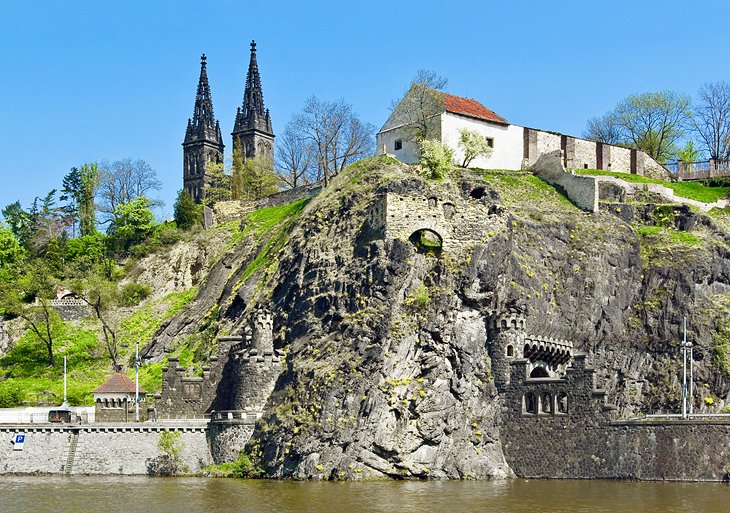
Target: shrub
x=133, y=293
x=436, y=158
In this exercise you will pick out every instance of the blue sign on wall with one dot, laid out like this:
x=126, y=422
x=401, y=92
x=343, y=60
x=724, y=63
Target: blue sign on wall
x=18, y=441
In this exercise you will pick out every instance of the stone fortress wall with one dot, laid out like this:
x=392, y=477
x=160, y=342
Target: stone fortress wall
x=559, y=425
x=459, y=220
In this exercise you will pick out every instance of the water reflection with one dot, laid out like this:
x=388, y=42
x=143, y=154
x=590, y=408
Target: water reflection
x=159, y=495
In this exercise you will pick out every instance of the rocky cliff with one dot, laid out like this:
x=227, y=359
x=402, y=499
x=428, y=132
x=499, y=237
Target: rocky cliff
x=387, y=368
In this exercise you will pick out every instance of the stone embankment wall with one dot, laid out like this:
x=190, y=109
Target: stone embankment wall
x=582, y=190
x=127, y=450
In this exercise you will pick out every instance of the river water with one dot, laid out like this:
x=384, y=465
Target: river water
x=192, y=495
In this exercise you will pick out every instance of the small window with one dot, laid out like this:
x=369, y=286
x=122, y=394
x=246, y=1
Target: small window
x=530, y=404
x=398, y=144
x=510, y=350
x=490, y=142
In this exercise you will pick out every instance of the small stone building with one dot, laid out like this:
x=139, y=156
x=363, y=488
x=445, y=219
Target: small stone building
x=114, y=400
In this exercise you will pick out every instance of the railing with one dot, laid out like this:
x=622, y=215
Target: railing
x=701, y=169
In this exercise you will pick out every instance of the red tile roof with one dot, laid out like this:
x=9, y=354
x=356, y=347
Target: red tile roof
x=472, y=108
x=117, y=383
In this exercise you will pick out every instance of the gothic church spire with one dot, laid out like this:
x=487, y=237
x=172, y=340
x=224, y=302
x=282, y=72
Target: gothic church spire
x=203, y=139
x=253, y=122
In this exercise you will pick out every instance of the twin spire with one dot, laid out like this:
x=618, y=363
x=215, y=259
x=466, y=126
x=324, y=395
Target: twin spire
x=251, y=116
x=203, y=125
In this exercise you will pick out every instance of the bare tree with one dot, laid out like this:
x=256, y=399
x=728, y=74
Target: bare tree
x=417, y=110
x=294, y=157
x=124, y=180
x=603, y=129
x=710, y=119
x=336, y=134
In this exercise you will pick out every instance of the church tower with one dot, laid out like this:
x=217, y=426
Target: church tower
x=252, y=129
x=203, y=139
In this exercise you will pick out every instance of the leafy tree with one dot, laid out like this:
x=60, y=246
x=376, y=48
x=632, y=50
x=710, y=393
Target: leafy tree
x=123, y=181
x=71, y=194
x=12, y=255
x=218, y=186
x=133, y=222
x=100, y=294
x=689, y=153
x=420, y=105
x=651, y=122
x=90, y=176
x=710, y=119
x=35, y=284
x=474, y=144
x=436, y=158
x=20, y=222
x=253, y=178
x=335, y=133
x=84, y=253
x=187, y=212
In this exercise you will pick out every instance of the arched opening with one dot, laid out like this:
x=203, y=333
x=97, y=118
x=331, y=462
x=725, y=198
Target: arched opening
x=432, y=202
x=539, y=372
x=562, y=400
x=510, y=351
x=546, y=403
x=477, y=193
x=427, y=241
x=530, y=403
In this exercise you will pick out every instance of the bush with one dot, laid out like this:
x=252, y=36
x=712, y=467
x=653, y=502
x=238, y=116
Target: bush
x=436, y=158
x=133, y=293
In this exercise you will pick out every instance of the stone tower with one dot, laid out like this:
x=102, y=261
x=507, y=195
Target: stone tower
x=505, y=342
x=252, y=129
x=203, y=139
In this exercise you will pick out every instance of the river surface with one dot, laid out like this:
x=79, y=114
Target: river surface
x=192, y=495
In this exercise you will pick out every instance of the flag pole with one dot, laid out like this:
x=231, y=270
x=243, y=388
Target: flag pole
x=136, y=384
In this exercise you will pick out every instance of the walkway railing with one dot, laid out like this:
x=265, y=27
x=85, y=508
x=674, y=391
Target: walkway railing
x=701, y=169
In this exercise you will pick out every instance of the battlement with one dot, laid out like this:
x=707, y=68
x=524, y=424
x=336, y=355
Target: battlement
x=511, y=319
x=548, y=349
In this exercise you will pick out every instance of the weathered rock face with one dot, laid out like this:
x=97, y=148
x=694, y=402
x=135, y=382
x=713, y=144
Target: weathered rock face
x=388, y=370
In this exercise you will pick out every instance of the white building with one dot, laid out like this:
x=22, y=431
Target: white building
x=514, y=147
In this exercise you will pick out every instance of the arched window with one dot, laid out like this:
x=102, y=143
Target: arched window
x=562, y=400
x=510, y=351
x=539, y=372
x=546, y=403
x=530, y=403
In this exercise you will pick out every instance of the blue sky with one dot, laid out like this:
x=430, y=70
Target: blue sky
x=86, y=81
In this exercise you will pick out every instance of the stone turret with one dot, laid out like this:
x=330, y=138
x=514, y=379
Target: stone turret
x=252, y=130
x=203, y=140
x=259, y=366
x=506, y=333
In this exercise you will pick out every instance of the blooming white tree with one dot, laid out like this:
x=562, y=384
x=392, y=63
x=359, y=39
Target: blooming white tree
x=474, y=144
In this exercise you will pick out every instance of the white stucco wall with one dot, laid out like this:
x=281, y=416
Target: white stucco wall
x=385, y=143
x=507, y=152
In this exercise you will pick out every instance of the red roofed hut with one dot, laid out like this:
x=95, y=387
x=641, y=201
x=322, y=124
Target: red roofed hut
x=114, y=400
